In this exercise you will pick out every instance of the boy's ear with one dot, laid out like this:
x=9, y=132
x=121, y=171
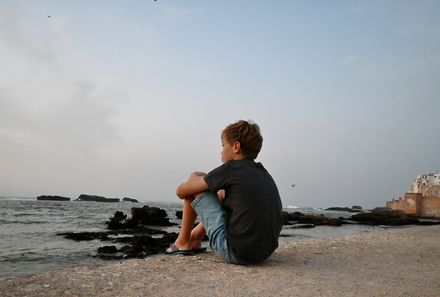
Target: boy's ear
x=236, y=147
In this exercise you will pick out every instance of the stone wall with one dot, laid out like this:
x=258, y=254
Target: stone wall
x=407, y=203
x=430, y=207
x=417, y=204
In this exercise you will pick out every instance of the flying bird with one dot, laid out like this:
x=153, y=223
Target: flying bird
x=49, y=16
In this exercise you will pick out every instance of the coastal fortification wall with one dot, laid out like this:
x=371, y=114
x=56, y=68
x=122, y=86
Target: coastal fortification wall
x=430, y=207
x=407, y=204
x=422, y=199
x=417, y=204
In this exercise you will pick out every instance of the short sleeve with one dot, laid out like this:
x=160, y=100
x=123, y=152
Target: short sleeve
x=217, y=179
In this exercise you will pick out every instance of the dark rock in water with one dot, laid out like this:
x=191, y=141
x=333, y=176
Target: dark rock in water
x=147, y=245
x=84, y=197
x=119, y=221
x=357, y=207
x=140, y=246
x=380, y=216
x=317, y=220
x=141, y=243
x=126, y=199
x=347, y=209
x=52, y=198
x=378, y=209
x=85, y=236
x=179, y=214
x=150, y=216
x=109, y=252
x=108, y=249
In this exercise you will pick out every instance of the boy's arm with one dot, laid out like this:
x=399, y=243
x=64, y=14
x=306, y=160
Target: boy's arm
x=194, y=185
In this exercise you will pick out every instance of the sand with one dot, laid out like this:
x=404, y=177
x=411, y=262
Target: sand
x=392, y=262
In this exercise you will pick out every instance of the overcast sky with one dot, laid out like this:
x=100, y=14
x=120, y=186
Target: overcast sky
x=126, y=98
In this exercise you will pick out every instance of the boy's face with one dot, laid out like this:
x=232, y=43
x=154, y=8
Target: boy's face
x=230, y=150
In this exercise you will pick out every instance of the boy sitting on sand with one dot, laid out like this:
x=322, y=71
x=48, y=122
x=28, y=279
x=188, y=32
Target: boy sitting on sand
x=238, y=203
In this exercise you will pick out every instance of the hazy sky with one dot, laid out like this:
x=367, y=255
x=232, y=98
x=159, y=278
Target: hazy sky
x=126, y=98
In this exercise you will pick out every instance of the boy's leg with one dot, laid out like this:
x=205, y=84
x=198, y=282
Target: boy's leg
x=212, y=214
x=198, y=232
x=186, y=239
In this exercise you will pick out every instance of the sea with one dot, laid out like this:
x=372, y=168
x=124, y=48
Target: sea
x=29, y=242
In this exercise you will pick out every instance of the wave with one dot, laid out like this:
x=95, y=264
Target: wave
x=22, y=222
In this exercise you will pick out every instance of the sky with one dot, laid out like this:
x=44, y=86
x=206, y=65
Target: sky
x=127, y=98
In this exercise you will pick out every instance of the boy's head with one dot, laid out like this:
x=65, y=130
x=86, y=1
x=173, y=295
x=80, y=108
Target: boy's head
x=244, y=138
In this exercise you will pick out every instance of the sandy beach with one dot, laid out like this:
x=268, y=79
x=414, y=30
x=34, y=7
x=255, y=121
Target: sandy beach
x=392, y=262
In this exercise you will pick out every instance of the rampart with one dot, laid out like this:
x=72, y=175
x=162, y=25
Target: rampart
x=423, y=205
x=407, y=203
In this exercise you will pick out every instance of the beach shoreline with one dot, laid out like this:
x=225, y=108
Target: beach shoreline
x=392, y=262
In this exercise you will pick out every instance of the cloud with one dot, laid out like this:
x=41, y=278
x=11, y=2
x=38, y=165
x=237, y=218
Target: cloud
x=52, y=123
x=349, y=59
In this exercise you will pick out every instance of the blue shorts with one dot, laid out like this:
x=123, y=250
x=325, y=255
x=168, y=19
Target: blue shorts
x=211, y=213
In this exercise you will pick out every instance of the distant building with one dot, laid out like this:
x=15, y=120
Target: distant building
x=422, y=199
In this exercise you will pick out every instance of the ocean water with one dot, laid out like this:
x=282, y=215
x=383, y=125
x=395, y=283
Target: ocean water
x=28, y=228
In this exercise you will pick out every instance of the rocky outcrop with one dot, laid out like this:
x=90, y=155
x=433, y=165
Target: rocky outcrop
x=150, y=216
x=317, y=220
x=95, y=198
x=120, y=221
x=126, y=199
x=52, y=198
x=390, y=218
x=347, y=209
x=179, y=214
x=137, y=243
x=378, y=216
x=134, y=234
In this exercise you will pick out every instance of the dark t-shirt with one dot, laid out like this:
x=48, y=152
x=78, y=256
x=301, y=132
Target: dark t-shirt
x=253, y=208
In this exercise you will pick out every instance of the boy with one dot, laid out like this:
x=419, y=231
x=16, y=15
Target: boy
x=238, y=203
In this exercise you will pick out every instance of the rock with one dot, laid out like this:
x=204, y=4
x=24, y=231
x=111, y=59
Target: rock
x=119, y=221
x=347, y=209
x=140, y=244
x=52, y=198
x=151, y=216
x=85, y=236
x=317, y=220
x=107, y=249
x=384, y=217
x=126, y=199
x=109, y=253
x=84, y=197
x=357, y=207
x=179, y=214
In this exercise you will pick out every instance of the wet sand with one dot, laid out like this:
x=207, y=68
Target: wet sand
x=392, y=262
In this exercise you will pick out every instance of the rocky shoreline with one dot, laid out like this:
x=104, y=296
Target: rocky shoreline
x=392, y=262
x=140, y=235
